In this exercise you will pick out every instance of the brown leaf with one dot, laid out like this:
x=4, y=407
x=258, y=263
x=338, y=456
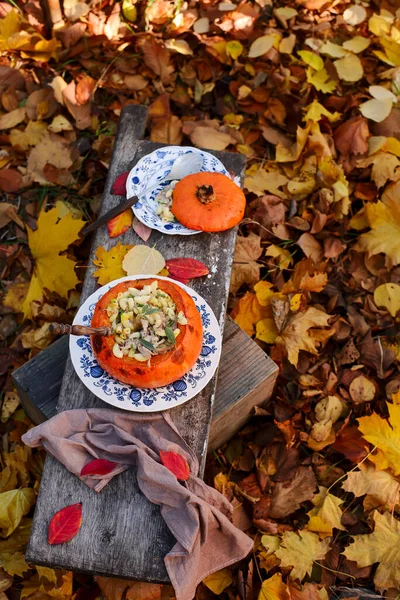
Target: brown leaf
x=311, y=248
x=10, y=180
x=352, y=136
x=13, y=118
x=288, y=496
x=156, y=57
x=350, y=442
x=41, y=104
x=71, y=34
x=167, y=131
x=80, y=112
x=135, y=82
x=206, y=137
x=333, y=247
x=8, y=212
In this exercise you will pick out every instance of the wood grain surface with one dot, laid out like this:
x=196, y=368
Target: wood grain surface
x=122, y=534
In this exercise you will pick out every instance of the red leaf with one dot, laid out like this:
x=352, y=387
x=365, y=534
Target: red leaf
x=65, y=524
x=119, y=186
x=176, y=464
x=98, y=466
x=186, y=268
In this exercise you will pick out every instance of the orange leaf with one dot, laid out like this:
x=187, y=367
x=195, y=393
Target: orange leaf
x=120, y=224
x=65, y=524
x=176, y=464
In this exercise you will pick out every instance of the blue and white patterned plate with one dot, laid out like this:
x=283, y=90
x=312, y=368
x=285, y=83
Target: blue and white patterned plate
x=127, y=397
x=156, y=166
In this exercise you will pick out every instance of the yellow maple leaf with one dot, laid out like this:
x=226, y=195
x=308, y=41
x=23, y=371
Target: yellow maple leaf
x=320, y=80
x=327, y=513
x=296, y=335
x=300, y=550
x=34, y=132
x=274, y=589
x=384, y=220
x=283, y=255
x=51, y=270
x=385, y=435
x=14, y=564
x=284, y=154
x=8, y=27
x=110, y=263
x=262, y=181
x=373, y=482
x=315, y=112
x=248, y=311
x=218, y=581
x=381, y=546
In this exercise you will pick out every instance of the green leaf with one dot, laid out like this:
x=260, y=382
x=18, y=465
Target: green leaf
x=170, y=335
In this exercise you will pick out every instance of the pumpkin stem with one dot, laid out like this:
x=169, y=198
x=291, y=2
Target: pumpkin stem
x=205, y=194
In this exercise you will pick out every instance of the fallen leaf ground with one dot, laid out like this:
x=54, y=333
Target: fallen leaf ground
x=308, y=91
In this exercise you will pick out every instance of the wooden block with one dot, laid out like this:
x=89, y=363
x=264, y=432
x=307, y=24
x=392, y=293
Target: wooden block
x=238, y=390
x=123, y=534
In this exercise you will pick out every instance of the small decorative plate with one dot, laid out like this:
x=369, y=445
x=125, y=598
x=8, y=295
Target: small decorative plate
x=156, y=166
x=128, y=397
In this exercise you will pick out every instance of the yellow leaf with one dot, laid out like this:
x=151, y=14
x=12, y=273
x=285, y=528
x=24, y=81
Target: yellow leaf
x=315, y=111
x=392, y=50
x=284, y=256
x=234, y=48
x=349, y=68
x=110, y=263
x=32, y=135
x=384, y=221
x=13, y=506
x=60, y=123
x=218, y=581
x=266, y=181
x=248, y=311
x=300, y=550
x=284, y=13
x=371, y=481
x=284, y=154
x=296, y=335
x=13, y=118
x=51, y=271
x=270, y=542
x=8, y=27
x=266, y=331
x=320, y=80
x=376, y=110
x=295, y=302
x=264, y=292
x=15, y=295
x=333, y=50
x=18, y=539
x=382, y=547
x=385, y=436
x=274, y=589
x=143, y=260
x=380, y=24
x=48, y=574
x=388, y=295
x=327, y=513
x=261, y=45
x=43, y=50
x=357, y=44
x=287, y=44
x=311, y=59
x=14, y=564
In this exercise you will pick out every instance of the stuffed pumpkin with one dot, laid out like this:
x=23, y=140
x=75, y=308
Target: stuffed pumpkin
x=157, y=332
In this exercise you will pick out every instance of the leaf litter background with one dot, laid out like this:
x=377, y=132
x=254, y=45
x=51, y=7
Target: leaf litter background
x=308, y=91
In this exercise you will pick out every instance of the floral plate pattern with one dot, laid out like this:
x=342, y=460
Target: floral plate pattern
x=134, y=399
x=156, y=166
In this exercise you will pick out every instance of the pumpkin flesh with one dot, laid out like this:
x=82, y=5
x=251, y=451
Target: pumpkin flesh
x=160, y=369
x=208, y=202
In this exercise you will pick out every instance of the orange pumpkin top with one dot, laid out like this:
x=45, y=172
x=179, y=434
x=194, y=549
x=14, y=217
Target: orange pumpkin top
x=208, y=202
x=158, y=332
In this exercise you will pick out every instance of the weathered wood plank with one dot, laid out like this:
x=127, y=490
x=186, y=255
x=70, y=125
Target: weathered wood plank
x=123, y=534
x=238, y=390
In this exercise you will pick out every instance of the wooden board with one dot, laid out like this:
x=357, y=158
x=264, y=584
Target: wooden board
x=238, y=391
x=123, y=534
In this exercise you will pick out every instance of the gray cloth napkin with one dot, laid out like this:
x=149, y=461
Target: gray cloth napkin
x=197, y=515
